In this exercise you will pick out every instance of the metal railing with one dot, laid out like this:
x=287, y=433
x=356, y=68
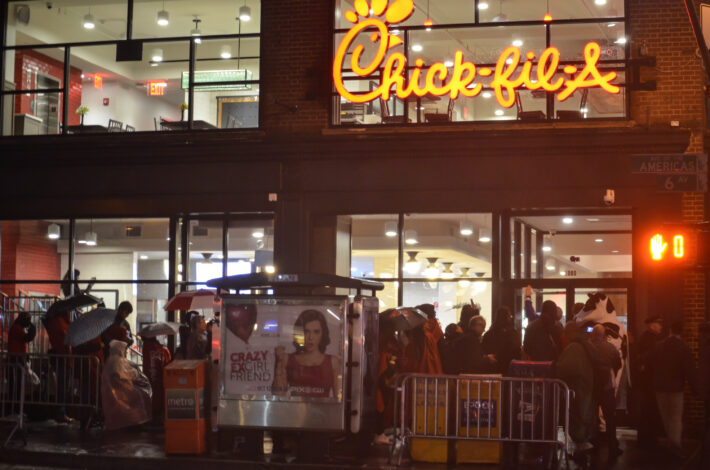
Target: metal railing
x=58, y=380
x=36, y=306
x=480, y=408
x=12, y=392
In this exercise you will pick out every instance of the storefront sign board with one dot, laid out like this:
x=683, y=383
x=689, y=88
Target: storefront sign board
x=673, y=163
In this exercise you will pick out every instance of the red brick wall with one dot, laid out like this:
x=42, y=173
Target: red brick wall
x=27, y=253
x=30, y=62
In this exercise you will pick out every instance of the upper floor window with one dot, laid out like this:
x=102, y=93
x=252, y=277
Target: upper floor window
x=70, y=67
x=475, y=60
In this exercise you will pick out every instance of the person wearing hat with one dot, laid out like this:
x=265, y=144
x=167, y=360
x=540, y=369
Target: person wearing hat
x=649, y=419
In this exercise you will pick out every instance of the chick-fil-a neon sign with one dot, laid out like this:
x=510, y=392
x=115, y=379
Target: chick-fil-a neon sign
x=459, y=78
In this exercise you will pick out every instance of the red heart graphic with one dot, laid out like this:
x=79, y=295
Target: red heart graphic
x=241, y=319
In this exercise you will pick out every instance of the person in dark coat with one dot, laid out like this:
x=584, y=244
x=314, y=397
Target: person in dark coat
x=607, y=362
x=21, y=332
x=542, y=337
x=120, y=329
x=502, y=340
x=446, y=348
x=468, y=311
x=469, y=350
x=673, y=365
x=649, y=419
x=57, y=327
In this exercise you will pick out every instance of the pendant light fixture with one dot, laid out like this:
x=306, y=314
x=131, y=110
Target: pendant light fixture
x=548, y=17
x=431, y=271
x=428, y=21
x=447, y=273
x=466, y=228
x=89, y=21
x=258, y=233
x=484, y=235
x=412, y=264
x=500, y=17
x=464, y=273
x=163, y=17
x=391, y=229
x=410, y=237
x=90, y=238
x=157, y=55
x=244, y=12
x=196, y=33
x=53, y=232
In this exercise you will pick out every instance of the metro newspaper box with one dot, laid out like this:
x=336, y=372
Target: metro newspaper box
x=292, y=359
x=185, y=413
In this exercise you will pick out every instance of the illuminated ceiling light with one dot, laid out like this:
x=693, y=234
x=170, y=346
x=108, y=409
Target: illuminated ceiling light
x=484, y=235
x=270, y=269
x=391, y=229
x=598, y=240
x=225, y=52
x=466, y=227
x=412, y=265
x=547, y=248
x=517, y=42
x=563, y=273
x=196, y=33
x=592, y=219
x=621, y=40
x=163, y=18
x=534, y=261
x=483, y=5
x=610, y=25
x=91, y=238
x=449, y=63
x=615, y=251
x=567, y=220
x=410, y=237
x=144, y=257
x=53, y=232
x=464, y=282
x=550, y=265
x=486, y=94
x=428, y=24
x=245, y=13
x=89, y=22
x=499, y=112
x=584, y=110
x=447, y=273
x=547, y=18
x=395, y=32
x=157, y=55
x=600, y=2
x=258, y=233
x=509, y=61
x=431, y=270
x=417, y=48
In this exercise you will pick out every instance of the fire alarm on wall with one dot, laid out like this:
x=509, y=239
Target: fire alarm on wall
x=105, y=101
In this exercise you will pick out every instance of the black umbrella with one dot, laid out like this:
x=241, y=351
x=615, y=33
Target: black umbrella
x=72, y=303
x=404, y=318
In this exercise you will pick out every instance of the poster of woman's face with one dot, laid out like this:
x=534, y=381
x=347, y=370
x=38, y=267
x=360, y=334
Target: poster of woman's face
x=290, y=349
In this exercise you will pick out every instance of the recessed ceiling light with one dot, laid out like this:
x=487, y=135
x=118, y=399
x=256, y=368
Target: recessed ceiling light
x=592, y=219
x=417, y=47
x=486, y=94
x=610, y=25
x=517, y=43
x=483, y=6
x=600, y=2
x=598, y=240
x=567, y=220
x=499, y=112
x=614, y=251
x=621, y=40
x=563, y=273
x=546, y=248
x=449, y=63
x=144, y=256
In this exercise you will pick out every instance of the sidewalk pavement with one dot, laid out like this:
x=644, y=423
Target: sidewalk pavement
x=51, y=445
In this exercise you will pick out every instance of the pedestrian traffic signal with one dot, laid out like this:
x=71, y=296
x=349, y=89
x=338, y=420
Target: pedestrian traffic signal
x=679, y=246
x=659, y=247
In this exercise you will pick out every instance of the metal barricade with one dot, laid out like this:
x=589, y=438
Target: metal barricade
x=58, y=380
x=36, y=306
x=12, y=392
x=481, y=408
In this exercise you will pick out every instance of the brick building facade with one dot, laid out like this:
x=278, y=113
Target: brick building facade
x=319, y=171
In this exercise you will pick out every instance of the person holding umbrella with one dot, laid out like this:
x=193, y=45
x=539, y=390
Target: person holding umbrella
x=120, y=329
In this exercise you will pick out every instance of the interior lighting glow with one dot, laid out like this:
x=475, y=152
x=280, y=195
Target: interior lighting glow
x=431, y=271
x=600, y=2
x=598, y=240
x=547, y=248
x=410, y=237
x=157, y=55
x=391, y=229
x=417, y=48
x=163, y=18
x=567, y=220
x=89, y=22
x=225, y=52
x=258, y=233
x=466, y=227
x=53, y=232
x=499, y=112
x=483, y=5
x=484, y=235
x=244, y=13
x=517, y=42
x=91, y=238
x=270, y=269
x=412, y=265
x=621, y=40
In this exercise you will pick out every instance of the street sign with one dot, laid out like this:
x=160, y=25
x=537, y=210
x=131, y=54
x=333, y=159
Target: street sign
x=672, y=163
x=682, y=183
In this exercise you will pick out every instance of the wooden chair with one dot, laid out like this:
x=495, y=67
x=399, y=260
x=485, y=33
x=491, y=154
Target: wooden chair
x=129, y=128
x=385, y=114
x=442, y=117
x=114, y=126
x=572, y=115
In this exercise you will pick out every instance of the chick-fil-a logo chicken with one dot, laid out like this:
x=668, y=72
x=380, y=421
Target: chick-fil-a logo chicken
x=459, y=78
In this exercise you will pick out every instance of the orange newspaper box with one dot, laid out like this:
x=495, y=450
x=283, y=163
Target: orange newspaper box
x=185, y=407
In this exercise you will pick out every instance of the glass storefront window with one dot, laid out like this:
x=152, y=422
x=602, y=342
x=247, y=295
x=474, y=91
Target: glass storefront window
x=434, y=32
x=113, y=88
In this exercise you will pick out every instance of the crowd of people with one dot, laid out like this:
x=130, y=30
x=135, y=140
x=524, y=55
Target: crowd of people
x=580, y=352
x=128, y=394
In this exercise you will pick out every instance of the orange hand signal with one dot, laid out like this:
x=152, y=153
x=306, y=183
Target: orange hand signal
x=657, y=247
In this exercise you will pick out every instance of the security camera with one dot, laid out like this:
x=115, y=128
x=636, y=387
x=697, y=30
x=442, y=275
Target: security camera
x=50, y=5
x=609, y=197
